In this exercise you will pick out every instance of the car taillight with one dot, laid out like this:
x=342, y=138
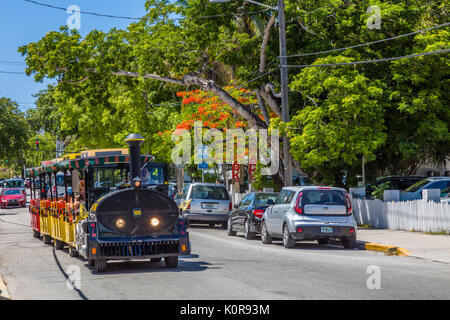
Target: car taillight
x=352, y=230
x=188, y=207
x=230, y=207
x=258, y=213
x=298, y=204
x=349, y=205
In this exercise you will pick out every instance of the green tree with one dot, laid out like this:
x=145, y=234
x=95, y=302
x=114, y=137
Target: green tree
x=13, y=131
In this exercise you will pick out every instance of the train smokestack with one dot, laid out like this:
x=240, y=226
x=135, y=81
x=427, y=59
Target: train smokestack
x=134, y=142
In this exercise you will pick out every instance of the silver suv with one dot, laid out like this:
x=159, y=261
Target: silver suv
x=210, y=204
x=310, y=213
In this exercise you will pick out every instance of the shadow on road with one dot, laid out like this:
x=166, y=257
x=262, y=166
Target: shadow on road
x=128, y=267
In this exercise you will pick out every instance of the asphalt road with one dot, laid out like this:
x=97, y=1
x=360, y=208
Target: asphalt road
x=220, y=267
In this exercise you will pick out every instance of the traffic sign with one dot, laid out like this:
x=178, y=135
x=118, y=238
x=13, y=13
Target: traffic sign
x=203, y=166
x=202, y=152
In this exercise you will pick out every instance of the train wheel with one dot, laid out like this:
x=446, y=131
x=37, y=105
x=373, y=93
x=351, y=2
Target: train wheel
x=36, y=234
x=171, y=262
x=58, y=244
x=47, y=239
x=73, y=252
x=155, y=260
x=100, y=265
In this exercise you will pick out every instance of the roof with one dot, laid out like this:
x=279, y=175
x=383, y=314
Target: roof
x=297, y=188
x=91, y=158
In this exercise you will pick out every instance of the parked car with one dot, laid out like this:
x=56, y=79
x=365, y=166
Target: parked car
x=310, y=213
x=415, y=191
x=446, y=198
x=14, y=183
x=13, y=198
x=246, y=217
x=395, y=183
x=210, y=203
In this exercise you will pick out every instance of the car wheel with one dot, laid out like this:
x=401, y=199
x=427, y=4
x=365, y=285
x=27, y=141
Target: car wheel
x=230, y=230
x=155, y=259
x=349, y=243
x=288, y=241
x=36, y=234
x=265, y=236
x=100, y=265
x=247, y=234
x=171, y=262
x=91, y=262
x=323, y=241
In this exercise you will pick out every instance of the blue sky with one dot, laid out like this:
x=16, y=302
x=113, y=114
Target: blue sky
x=23, y=22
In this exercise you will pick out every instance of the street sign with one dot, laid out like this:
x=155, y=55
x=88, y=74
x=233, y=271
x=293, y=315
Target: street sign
x=203, y=166
x=251, y=170
x=202, y=152
x=236, y=171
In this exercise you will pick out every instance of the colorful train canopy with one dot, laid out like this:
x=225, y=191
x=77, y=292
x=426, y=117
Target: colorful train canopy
x=82, y=160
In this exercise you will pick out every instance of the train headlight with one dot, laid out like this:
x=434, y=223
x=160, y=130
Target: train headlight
x=154, y=222
x=120, y=223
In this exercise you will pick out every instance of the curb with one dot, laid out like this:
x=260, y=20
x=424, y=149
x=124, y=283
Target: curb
x=388, y=250
x=4, y=295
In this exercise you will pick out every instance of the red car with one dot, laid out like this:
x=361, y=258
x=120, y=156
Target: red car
x=13, y=198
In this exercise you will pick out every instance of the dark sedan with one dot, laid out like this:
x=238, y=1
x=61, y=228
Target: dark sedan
x=246, y=217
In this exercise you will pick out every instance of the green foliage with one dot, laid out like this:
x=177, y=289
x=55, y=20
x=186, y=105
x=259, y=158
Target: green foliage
x=261, y=181
x=394, y=113
x=13, y=131
x=378, y=192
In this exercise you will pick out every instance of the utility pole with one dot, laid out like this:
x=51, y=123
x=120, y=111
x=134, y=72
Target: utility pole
x=284, y=82
x=284, y=93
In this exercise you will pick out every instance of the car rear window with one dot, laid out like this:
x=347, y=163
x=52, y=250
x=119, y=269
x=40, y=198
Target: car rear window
x=323, y=197
x=261, y=199
x=209, y=192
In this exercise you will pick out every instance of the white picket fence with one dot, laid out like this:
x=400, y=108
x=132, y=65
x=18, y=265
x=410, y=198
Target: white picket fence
x=416, y=215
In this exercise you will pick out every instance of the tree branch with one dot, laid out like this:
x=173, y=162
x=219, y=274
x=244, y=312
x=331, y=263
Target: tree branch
x=262, y=59
x=271, y=101
x=262, y=106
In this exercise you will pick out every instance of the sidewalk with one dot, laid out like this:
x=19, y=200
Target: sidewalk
x=420, y=245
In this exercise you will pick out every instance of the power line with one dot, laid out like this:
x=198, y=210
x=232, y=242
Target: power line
x=367, y=43
x=12, y=72
x=134, y=18
x=369, y=61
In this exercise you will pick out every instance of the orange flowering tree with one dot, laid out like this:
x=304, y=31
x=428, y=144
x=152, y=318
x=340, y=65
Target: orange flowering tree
x=212, y=112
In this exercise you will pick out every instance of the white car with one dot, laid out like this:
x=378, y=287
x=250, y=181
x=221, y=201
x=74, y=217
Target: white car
x=310, y=213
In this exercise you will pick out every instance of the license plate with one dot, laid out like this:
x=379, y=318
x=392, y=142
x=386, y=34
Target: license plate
x=326, y=230
x=209, y=205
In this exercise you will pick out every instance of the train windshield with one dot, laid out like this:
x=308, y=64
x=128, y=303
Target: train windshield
x=152, y=175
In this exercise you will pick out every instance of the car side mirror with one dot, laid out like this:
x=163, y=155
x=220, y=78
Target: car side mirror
x=270, y=202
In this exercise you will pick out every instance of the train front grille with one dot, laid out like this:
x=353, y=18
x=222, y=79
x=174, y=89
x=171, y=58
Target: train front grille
x=138, y=249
